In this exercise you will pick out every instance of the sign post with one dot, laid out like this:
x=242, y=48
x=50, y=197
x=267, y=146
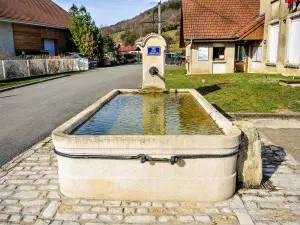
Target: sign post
x=154, y=51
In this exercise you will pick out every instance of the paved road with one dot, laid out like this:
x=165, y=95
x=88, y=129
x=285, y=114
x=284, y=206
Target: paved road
x=29, y=114
x=288, y=139
x=283, y=133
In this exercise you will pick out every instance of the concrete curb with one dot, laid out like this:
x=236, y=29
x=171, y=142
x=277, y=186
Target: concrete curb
x=36, y=82
x=261, y=115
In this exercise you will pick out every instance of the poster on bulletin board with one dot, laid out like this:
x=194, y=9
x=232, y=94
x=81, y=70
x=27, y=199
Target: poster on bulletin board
x=203, y=53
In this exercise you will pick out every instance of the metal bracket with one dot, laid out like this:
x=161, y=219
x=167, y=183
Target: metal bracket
x=145, y=158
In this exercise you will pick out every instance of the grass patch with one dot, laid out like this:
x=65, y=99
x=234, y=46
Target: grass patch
x=13, y=83
x=175, y=70
x=240, y=92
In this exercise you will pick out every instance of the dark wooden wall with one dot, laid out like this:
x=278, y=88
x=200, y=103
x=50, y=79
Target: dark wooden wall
x=257, y=34
x=27, y=37
x=30, y=38
x=61, y=37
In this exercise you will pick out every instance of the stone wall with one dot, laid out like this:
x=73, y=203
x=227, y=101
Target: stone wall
x=249, y=164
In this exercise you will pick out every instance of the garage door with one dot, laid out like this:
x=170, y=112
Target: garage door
x=49, y=46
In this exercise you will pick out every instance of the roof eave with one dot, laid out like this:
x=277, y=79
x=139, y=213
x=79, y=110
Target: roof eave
x=234, y=38
x=11, y=20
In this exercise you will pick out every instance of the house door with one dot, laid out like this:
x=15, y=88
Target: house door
x=241, y=58
x=49, y=46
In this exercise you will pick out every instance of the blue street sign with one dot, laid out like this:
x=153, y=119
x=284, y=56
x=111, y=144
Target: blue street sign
x=154, y=51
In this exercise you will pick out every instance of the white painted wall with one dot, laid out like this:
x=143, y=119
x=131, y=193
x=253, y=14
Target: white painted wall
x=219, y=67
x=7, y=46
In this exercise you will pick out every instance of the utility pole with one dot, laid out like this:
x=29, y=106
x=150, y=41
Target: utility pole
x=153, y=22
x=159, y=17
x=158, y=21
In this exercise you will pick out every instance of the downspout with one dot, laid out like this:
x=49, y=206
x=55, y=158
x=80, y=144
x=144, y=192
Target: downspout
x=191, y=56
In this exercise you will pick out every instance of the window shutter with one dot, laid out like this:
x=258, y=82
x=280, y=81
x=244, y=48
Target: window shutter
x=294, y=50
x=273, y=43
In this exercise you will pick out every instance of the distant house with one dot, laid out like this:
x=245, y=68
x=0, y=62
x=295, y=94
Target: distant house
x=222, y=37
x=130, y=49
x=33, y=27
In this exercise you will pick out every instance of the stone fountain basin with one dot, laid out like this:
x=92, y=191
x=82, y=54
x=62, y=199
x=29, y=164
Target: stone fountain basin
x=208, y=179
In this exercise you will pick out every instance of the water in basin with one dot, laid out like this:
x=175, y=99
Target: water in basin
x=150, y=114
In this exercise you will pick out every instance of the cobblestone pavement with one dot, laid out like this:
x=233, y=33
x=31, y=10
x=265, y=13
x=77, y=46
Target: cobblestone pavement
x=29, y=194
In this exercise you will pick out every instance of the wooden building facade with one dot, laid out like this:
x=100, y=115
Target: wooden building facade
x=33, y=27
x=31, y=39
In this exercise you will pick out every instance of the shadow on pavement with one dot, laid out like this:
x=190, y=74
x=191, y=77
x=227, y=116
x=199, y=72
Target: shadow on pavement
x=272, y=157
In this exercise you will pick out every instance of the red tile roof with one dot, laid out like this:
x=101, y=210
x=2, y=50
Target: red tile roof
x=43, y=12
x=222, y=19
x=128, y=48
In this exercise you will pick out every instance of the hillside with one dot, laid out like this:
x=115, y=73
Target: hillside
x=172, y=37
x=136, y=27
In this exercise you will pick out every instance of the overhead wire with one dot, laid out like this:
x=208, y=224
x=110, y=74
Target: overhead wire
x=140, y=2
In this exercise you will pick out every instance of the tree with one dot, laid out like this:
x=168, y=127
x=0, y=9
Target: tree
x=108, y=44
x=85, y=33
x=129, y=37
x=73, y=10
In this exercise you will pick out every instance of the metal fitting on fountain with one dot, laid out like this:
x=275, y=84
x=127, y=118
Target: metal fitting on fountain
x=153, y=48
x=153, y=71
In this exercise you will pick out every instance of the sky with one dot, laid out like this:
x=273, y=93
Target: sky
x=109, y=12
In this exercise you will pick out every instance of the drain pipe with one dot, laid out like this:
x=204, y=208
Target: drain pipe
x=191, y=55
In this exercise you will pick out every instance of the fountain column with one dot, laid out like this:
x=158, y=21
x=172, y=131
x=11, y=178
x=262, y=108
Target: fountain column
x=153, y=49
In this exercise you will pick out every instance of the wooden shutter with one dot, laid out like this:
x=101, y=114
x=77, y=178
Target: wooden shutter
x=294, y=51
x=273, y=43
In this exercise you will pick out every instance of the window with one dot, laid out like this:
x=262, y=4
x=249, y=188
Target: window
x=240, y=53
x=219, y=53
x=273, y=43
x=203, y=53
x=256, y=54
x=294, y=45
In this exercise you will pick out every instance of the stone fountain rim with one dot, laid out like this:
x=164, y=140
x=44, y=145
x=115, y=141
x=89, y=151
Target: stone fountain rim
x=229, y=140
